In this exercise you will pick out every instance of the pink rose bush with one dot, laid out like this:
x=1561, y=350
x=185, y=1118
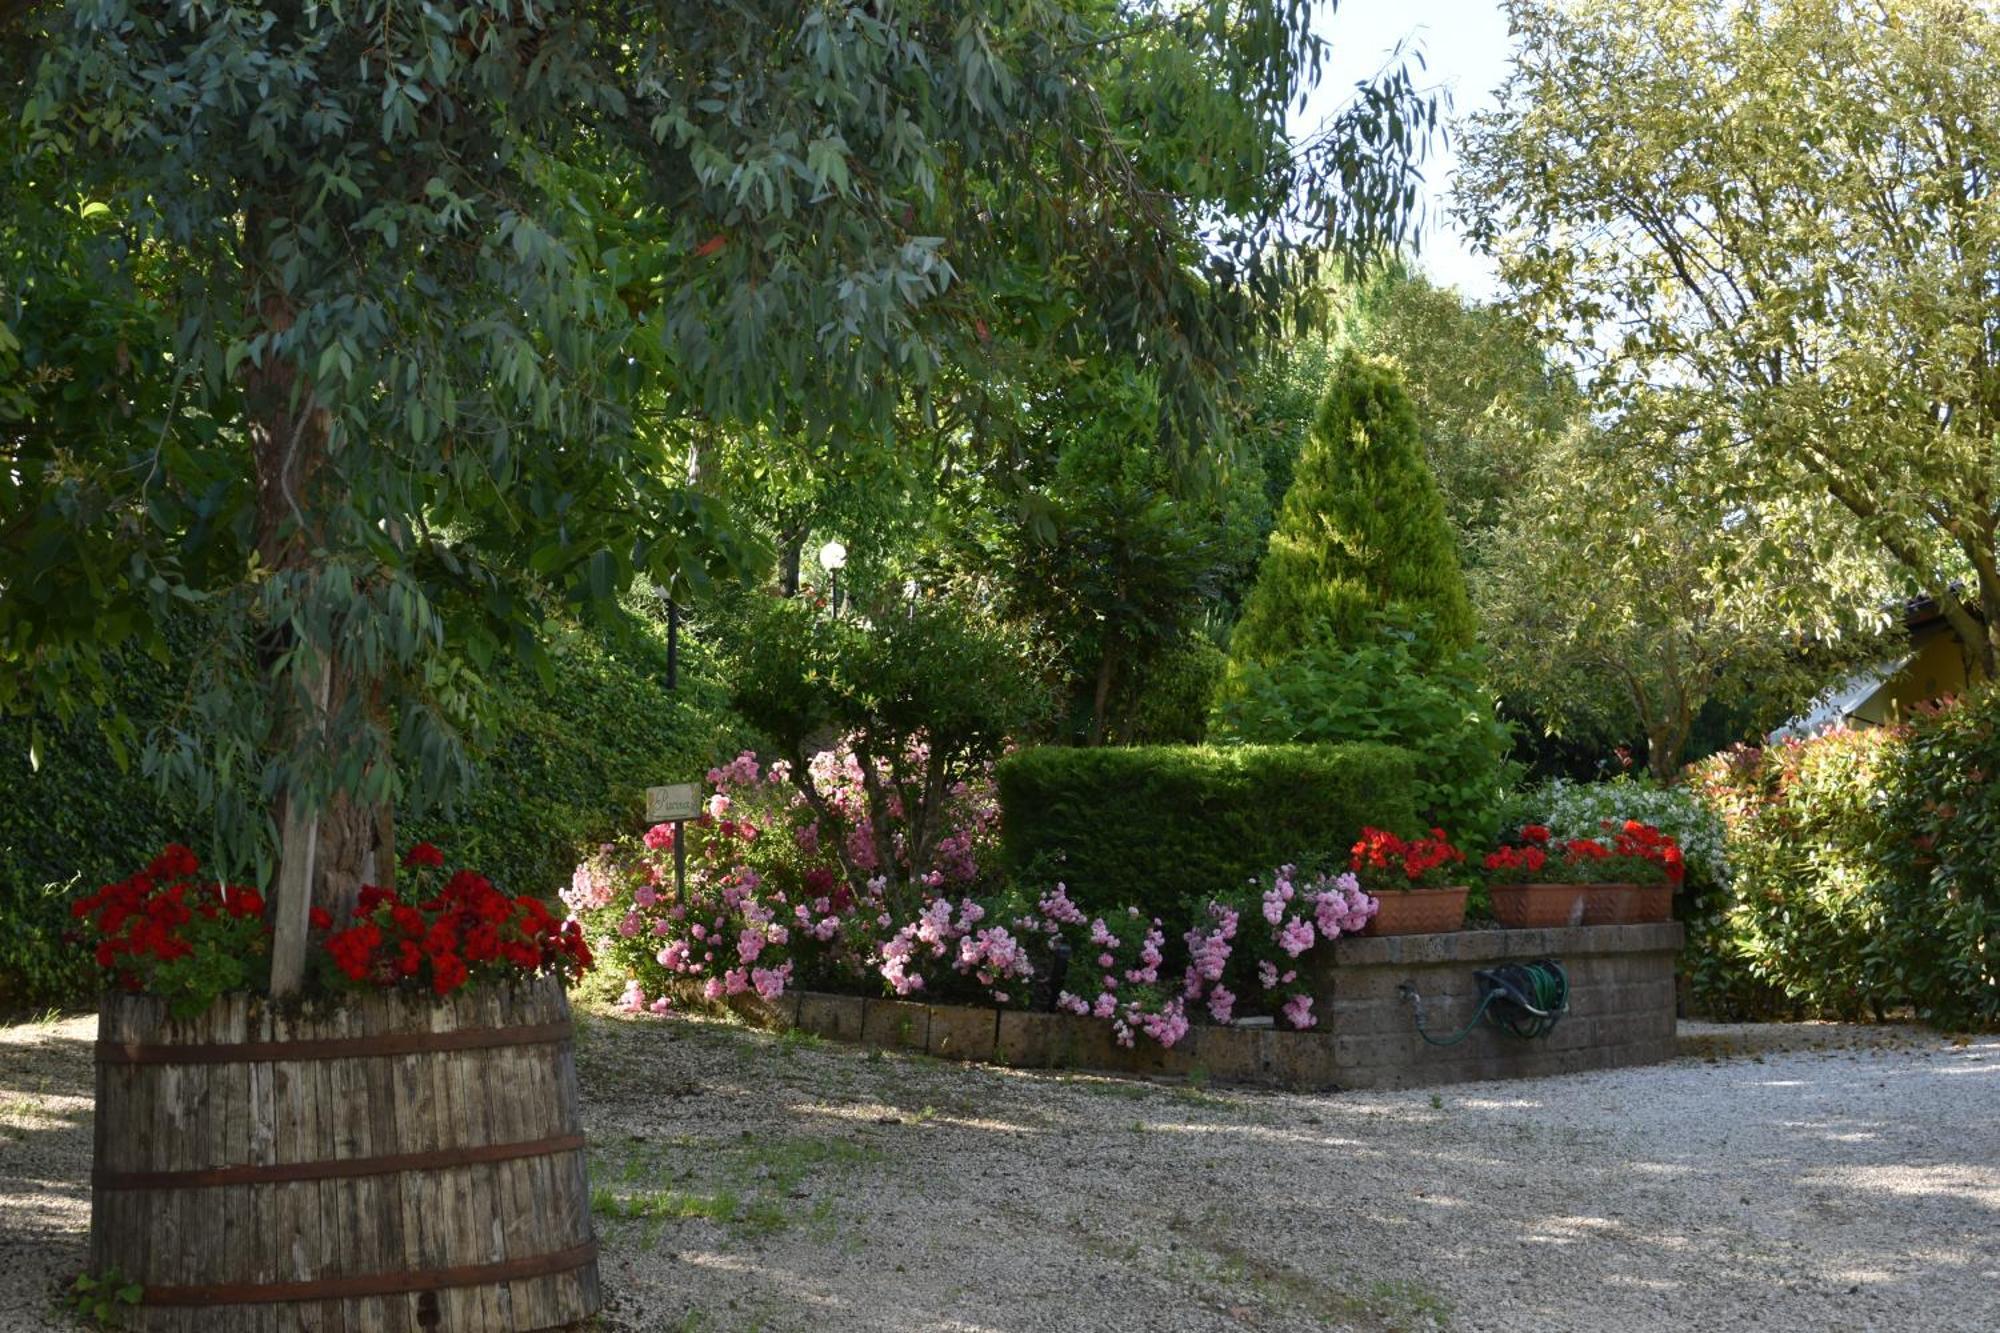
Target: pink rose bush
x=792, y=883
x=1114, y=965
x=1260, y=939
x=802, y=884
x=1111, y=970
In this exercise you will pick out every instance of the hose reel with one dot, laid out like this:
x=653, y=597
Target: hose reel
x=1525, y=999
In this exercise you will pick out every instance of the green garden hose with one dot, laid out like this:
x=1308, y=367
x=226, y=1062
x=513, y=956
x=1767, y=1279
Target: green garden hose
x=1525, y=999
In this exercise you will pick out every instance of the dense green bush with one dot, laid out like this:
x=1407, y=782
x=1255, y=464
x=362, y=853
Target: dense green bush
x=569, y=763
x=1790, y=936
x=1865, y=873
x=1939, y=941
x=567, y=769
x=76, y=822
x=1169, y=827
x=1389, y=690
x=1167, y=702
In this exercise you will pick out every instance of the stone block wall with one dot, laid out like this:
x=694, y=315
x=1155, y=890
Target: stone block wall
x=1621, y=1005
x=1621, y=1013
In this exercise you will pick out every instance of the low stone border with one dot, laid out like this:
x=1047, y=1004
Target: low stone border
x=1621, y=1013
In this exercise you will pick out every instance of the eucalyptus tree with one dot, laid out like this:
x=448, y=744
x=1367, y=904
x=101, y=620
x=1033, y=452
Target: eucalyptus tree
x=1787, y=208
x=421, y=301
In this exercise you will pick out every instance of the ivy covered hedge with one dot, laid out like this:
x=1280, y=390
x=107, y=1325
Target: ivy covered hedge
x=567, y=768
x=1169, y=827
x=1865, y=873
x=569, y=764
x=74, y=823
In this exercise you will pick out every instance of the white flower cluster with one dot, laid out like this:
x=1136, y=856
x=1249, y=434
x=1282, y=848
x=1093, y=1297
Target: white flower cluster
x=1579, y=809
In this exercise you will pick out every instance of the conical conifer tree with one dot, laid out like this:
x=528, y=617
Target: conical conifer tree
x=1362, y=530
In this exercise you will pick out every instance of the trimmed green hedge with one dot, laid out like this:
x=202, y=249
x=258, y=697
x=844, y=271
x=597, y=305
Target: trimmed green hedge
x=1167, y=827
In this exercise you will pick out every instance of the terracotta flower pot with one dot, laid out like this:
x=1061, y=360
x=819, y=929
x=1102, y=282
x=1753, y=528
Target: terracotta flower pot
x=1529, y=906
x=1418, y=911
x=1609, y=904
x=1652, y=902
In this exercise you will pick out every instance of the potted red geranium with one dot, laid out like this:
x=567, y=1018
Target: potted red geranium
x=1653, y=867
x=1533, y=884
x=1627, y=875
x=1418, y=881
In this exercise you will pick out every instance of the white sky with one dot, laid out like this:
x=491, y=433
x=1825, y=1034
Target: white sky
x=1465, y=46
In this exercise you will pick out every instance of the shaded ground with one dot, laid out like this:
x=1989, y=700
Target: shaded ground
x=1788, y=1176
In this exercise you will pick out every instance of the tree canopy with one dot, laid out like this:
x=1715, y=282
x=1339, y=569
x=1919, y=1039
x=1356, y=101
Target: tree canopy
x=1782, y=215
x=365, y=330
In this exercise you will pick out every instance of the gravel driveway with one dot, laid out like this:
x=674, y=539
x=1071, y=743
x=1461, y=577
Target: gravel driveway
x=1784, y=1177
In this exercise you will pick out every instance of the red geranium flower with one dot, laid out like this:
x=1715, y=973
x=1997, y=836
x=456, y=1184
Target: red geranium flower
x=423, y=854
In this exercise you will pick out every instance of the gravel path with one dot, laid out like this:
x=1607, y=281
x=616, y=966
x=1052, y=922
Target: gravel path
x=1783, y=1177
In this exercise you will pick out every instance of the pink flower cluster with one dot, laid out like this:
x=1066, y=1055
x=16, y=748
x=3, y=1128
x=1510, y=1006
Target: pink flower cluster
x=1208, y=960
x=765, y=913
x=1296, y=919
x=991, y=955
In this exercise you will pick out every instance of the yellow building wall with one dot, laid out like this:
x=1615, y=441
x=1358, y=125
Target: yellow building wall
x=1937, y=669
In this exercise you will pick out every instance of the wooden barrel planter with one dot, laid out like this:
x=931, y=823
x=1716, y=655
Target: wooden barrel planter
x=393, y=1164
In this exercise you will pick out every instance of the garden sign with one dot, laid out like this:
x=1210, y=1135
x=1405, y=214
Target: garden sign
x=677, y=802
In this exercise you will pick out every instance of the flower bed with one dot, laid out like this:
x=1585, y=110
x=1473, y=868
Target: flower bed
x=793, y=882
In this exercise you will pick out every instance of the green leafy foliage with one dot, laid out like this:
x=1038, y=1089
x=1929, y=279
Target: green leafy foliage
x=74, y=819
x=1167, y=702
x=104, y=1298
x=1120, y=554
x=1865, y=872
x=926, y=693
x=1487, y=395
x=1362, y=531
x=1939, y=941
x=397, y=307
x=1388, y=689
x=1779, y=213
x=570, y=758
x=1793, y=934
x=1167, y=828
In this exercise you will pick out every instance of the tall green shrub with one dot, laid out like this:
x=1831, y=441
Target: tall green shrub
x=1939, y=940
x=1362, y=530
x=1791, y=935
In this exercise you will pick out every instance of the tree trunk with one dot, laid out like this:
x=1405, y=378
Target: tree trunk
x=325, y=853
x=1984, y=651
x=788, y=564
x=1666, y=742
x=1100, y=702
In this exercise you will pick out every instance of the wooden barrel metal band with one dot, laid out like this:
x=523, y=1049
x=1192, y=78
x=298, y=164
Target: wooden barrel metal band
x=337, y=1168
x=374, y=1284
x=330, y=1048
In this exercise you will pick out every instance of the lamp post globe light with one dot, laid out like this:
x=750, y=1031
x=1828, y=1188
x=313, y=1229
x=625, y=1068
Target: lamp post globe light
x=833, y=558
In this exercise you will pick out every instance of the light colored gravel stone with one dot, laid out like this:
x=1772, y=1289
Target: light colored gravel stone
x=1805, y=1177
